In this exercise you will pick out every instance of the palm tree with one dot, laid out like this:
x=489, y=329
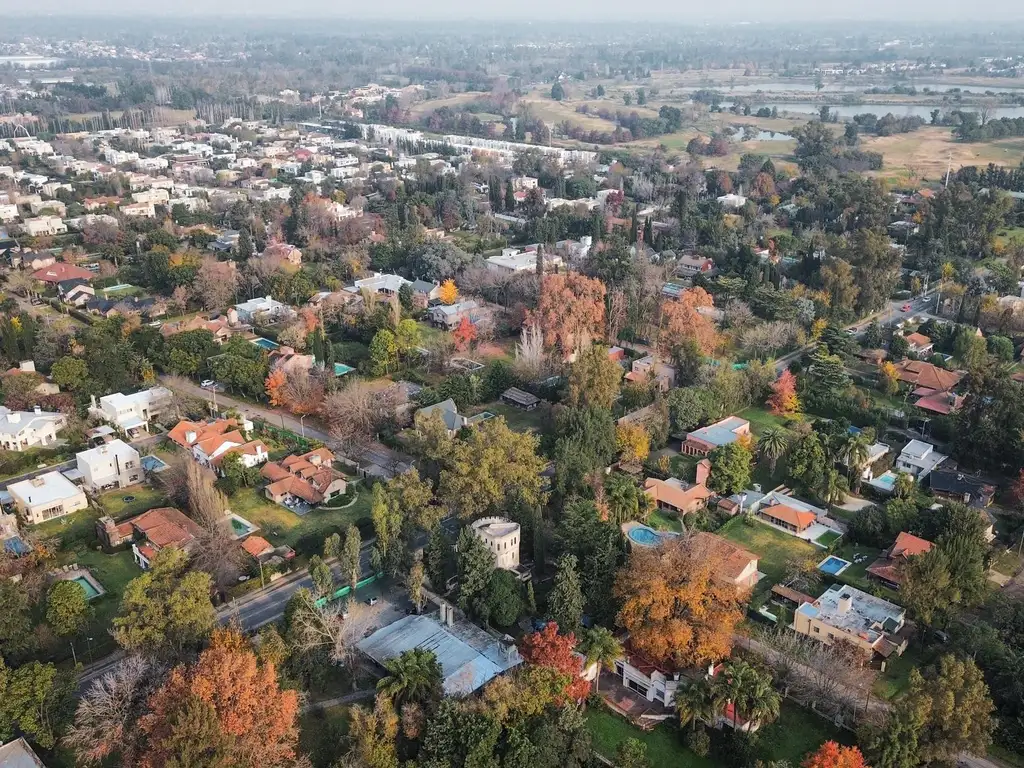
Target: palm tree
x=413, y=677
x=622, y=497
x=904, y=486
x=773, y=444
x=856, y=453
x=696, y=702
x=762, y=702
x=601, y=648
x=730, y=686
x=833, y=486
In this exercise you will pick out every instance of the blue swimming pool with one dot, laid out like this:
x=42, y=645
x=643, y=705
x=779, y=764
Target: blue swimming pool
x=644, y=536
x=885, y=481
x=87, y=585
x=153, y=464
x=340, y=369
x=266, y=344
x=833, y=565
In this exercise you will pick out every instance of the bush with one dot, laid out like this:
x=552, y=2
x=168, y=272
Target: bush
x=737, y=750
x=698, y=741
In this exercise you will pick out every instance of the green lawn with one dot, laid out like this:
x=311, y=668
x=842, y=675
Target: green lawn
x=663, y=522
x=856, y=574
x=321, y=733
x=608, y=730
x=797, y=732
x=684, y=467
x=537, y=420
x=282, y=526
x=776, y=550
x=351, y=352
x=1007, y=563
x=827, y=539
x=113, y=572
x=896, y=678
x=142, y=497
x=760, y=418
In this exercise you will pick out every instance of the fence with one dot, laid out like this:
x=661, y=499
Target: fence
x=340, y=593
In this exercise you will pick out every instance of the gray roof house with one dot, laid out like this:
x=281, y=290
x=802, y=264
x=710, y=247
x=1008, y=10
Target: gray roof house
x=450, y=415
x=450, y=315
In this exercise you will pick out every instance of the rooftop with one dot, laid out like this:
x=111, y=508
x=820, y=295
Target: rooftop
x=44, y=489
x=722, y=432
x=863, y=614
x=18, y=754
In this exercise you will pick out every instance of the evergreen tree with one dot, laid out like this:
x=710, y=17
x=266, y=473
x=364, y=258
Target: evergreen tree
x=565, y=604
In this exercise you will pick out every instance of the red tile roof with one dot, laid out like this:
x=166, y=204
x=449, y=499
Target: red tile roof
x=798, y=518
x=924, y=374
x=166, y=527
x=58, y=273
x=256, y=546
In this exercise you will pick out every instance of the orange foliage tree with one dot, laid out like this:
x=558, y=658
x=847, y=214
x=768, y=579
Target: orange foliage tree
x=449, y=292
x=464, y=334
x=832, y=755
x=274, y=386
x=303, y=392
x=549, y=649
x=674, y=606
x=783, y=400
x=225, y=707
x=680, y=320
x=571, y=311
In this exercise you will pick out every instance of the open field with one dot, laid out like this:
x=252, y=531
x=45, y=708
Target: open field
x=926, y=152
x=553, y=112
x=456, y=100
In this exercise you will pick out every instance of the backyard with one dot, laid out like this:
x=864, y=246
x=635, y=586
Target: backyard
x=777, y=551
x=279, y=525
x=537, y=420
x=135, y=500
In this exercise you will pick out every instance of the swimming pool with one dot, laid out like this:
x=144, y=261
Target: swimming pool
x=885, y=481
x=833, y=565
x=644, y=536
x=241, y=527
x=340, y=369
x=86, y=583
x=266, y=344
x=153, y=464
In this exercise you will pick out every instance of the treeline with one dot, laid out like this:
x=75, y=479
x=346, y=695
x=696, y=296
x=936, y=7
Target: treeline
x=1011, y=179
x=888, y=124
x=630, y=125
x=971, y=129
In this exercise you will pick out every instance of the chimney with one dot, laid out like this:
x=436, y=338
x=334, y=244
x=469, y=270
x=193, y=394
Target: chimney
x=37, y=410
x=845, y=602
x=703, y=471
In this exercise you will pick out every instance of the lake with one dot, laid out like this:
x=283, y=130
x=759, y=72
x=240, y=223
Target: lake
x=797, y=86
x=847, y=111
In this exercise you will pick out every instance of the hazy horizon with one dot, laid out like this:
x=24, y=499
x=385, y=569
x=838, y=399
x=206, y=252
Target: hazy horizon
x=924, y=12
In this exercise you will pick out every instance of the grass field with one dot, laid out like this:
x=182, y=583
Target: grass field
x=142, y=497
x=924, y=153
x=856, y=574
x=608, y=730
x=537, y=420
x=776, y=550
x=282, y=526
x=663, y=522
x=759, y=418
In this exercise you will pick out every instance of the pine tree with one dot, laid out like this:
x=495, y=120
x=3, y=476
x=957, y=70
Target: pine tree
x=540, y=261
x=510, y=197
x=565, y=604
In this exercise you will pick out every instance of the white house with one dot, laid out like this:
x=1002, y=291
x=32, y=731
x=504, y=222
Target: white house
x=262, y=307
x=513, y=260
x=111, y=465
x=732, y=202
x=21, y=430
x=132, y=413
x=44, y=226
x=8, y=212
x=47, y=496
x=918, y=459
x=501, y=537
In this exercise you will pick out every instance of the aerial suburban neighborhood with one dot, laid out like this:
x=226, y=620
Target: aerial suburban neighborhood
x=393, y=392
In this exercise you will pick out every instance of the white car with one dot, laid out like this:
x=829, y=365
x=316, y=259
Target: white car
x=207, y=384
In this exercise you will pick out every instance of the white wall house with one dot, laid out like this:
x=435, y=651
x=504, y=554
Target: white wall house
x=111, y=465
x=501, y=537
x=21, y=430
x=918, y=459
x=262, y=307
x=45, y=497
x=132, y=413
x=44, y=226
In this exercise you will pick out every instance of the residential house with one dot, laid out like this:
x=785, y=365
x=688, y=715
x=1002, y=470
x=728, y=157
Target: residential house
x=21, y=430
x=220, y=327
x=55, y=208
x=44, y=226
x=382, y=284
x=226, y=241
x=733, y=564
x=693, y=265
x=424, y=292
x=919, y=344
x=845, y=613
x=18, y=754
x=449, y=413
x=46, y=497
x=788, y=517
x=60, y=272
x=955, y=485
x=139, y=210
x=649, y=368
x=678, y=497
x=151, y=532
x=703, y=441
x=449, y=316
x=512, y=261
x=8, y=212
x=520, y=399
x=132, y=413
x=502, y=538
x=288, y=360
x=76, y=292
x=287, y=254
x=257, y=547
x=918, y=459
x=310, y=477
x=263, y=309
x=732, y=202
x=110, y=465
x=657, y=683
x=210, y=443
x=921, y=374
x=32, y=261
x=888, y=569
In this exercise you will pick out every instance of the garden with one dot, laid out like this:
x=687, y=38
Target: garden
x=778, y=552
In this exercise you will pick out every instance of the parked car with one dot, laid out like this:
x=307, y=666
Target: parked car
x=905, y=308
x=207, y=384
x=372, y=600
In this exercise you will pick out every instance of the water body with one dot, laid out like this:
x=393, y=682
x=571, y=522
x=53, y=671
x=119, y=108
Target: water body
x=809, y=87
x=846, y=111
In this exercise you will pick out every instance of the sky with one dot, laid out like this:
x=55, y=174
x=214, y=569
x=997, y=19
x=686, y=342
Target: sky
x=540, y=10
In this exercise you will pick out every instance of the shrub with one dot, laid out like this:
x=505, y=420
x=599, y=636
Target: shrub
x=698, y=741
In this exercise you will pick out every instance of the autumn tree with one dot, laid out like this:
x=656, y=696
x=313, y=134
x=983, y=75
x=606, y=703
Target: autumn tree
x=594, y=378
x=571, y=311
x=783, y=400
x=633, y=443
x=681, y=321
x=833, y=755
x=255, y=721
x=674, y=607
x=888, y=378
x=465, y=334
x=552, y=650
x=449, y=292
x=274, y=387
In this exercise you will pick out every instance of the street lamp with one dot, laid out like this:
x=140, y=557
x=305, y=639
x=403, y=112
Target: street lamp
x=302, y=425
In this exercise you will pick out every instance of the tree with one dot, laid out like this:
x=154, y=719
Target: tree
x=594, y=378
x=681, y=320
x=748, y=690
x=320, y=574
x=167, y=609
x=552, y=650
x=254, y=721
x=888, y=378
x=571, y=312
x=624, y=499
x=674, y=607
x=899, y=347
x=414, y=584
x=449, y=292
x=15, y=620
x=784, y=401
x=832, y=755
x=601, y=648
x=35, y=700
x=386, y=516
x=689, y=407
x=475, y=564
x=633, y=444
x=837, y=278
x=504, y=598
x=413, y=677
x=67, y=608
x=383, y=352
x=490, y=467
x=70, y=373
x=565, y=603
x=730, y=468
x=407, y=335
x=927, y=588
x=695, y=703
x=374, y=735
x=465, y=334
x=349, y=558
x=632, y=753
x=557, y=91
x=773, y=444
x=273, y=385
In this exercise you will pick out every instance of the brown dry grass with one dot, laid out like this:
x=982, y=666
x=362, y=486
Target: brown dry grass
x=926, y=152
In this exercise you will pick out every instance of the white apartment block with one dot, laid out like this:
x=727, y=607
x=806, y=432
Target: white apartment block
x=111, y=465
x=132, y=412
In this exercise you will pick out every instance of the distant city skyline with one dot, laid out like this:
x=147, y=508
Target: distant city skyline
x=926, y=12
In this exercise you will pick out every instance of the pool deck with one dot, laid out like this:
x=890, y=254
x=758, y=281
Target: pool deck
x=250, y=527
x=73, y=573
